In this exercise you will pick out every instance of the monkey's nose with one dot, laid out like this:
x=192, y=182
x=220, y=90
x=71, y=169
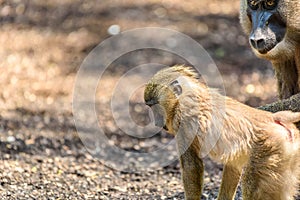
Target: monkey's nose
x=259, y=44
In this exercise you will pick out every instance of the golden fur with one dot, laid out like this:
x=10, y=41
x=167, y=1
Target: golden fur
x=230, y=132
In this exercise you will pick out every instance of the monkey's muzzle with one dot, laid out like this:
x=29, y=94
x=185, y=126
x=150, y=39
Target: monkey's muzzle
x=159, y=115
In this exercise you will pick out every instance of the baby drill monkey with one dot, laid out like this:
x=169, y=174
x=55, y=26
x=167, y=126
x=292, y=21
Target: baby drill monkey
x=264, y=145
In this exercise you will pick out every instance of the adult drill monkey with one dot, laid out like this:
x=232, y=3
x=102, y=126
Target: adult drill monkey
x=266, y=145
x=273, y=27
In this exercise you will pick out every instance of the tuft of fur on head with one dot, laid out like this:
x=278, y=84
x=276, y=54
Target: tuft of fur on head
x=171, y=73
x=164, y=78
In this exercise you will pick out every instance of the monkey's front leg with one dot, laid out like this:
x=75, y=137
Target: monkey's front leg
x=192, y=169
x=230, y=180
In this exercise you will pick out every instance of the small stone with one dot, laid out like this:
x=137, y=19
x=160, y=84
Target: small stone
x=11, y=139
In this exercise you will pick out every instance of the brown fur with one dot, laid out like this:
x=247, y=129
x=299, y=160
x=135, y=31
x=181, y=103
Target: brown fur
x=285, y=55
x=230, y=132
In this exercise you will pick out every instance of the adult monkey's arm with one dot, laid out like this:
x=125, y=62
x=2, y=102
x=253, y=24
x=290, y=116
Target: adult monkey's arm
x=292, y=103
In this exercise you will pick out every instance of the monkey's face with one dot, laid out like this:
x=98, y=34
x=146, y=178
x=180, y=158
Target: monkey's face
x=268, y=27
x=159, y=115
x=161, y=94
x=163, y=91
x=161, y=99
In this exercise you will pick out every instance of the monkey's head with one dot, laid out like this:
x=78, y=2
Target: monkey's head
x=272, y=26
x=162, y=93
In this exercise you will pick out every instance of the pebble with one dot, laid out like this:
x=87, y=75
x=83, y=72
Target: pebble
x=11, y=139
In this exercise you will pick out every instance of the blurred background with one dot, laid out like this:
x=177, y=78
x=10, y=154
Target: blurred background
x=42, y=45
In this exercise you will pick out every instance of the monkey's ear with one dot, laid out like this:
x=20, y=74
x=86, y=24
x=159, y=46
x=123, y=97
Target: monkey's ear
x=176, y=88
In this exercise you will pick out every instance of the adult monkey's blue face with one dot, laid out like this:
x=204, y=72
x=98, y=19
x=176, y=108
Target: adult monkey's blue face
x=268, y=26
x=272, y=26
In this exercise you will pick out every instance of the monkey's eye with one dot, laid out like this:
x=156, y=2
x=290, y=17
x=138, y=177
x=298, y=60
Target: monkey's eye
x=269, y=4
x=253, y=4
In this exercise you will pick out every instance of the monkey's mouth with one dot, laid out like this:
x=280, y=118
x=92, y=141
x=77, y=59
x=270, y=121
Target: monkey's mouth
x=264, y=49
x=165, y=128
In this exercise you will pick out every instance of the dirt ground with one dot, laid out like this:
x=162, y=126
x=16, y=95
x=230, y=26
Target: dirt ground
x=43, y=44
